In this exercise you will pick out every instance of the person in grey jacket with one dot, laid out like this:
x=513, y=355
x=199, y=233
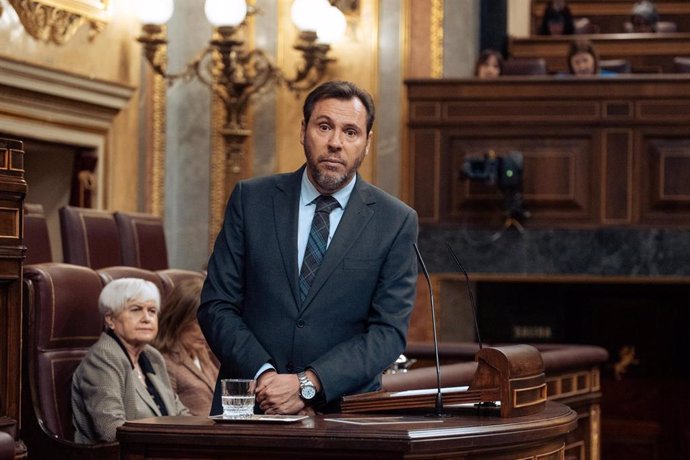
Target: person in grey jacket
x=122, y=377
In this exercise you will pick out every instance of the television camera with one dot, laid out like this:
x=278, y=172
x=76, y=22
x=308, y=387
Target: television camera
x=504, y=171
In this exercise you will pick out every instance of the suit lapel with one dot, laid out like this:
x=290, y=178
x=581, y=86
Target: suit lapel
x=144, y=393
x=357, y=215
x=287, y=198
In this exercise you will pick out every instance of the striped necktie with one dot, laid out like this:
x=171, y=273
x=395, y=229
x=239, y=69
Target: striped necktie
x=316, y=245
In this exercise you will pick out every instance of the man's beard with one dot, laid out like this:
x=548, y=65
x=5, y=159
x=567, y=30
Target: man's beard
x=330, y=181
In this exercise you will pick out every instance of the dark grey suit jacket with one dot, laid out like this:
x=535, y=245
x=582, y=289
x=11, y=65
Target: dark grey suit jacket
x=352, y=324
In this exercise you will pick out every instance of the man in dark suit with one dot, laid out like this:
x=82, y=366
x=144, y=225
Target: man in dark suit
x=312, y=330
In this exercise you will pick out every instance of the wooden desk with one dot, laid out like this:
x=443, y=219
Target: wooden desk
x=647, y=53
x=609, y=16
x=461, y=436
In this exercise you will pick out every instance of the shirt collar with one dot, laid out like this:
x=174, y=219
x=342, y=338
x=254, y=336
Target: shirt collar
x=308, y=192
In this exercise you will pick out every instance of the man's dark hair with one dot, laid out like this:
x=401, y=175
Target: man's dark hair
x=343, y=90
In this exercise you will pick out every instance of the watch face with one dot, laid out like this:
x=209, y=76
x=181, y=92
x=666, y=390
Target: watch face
x=308, y=392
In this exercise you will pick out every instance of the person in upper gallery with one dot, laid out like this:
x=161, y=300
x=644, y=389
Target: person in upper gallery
x=644, y=17
x=489, y=64
x=557, y=19
x=122, y=377
x=310, y=330
x=583, y=60
x=191, y=367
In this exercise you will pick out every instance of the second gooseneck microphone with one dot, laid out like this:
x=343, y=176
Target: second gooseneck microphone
x=439, y=395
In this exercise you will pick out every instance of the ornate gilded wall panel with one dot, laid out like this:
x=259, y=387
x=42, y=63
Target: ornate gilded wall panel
x=57, y=21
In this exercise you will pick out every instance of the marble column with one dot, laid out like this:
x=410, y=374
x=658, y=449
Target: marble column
x=187, y=142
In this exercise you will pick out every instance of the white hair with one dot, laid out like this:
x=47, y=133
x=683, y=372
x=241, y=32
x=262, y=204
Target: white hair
x=117, y=293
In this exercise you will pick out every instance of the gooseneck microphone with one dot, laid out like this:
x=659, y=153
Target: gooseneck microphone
x=469, y=292
x=439, y=395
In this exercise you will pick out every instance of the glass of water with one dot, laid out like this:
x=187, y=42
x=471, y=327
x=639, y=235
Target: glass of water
x=238, y=397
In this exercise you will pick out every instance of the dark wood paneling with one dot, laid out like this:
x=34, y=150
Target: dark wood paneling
x=425, y=155
x=617, y=176
x=590, y=146
x=610, y=15
x=666, y=171
x=12, y=192
x=647, y=53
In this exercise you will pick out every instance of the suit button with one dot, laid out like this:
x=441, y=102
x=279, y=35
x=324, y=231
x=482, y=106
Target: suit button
x=289, y=367
x=300, y=323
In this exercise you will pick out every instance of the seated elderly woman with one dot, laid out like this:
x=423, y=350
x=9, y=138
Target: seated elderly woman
x=122, y=377
x=192, y=370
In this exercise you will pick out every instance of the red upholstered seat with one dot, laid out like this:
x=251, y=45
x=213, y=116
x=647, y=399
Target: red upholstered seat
x=142, y=237
x=62, y=321
x=36, y=236
x=90, y=237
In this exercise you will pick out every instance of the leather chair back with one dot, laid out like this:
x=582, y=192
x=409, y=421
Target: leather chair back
x=6, y=446
x=112, y=273
x=524, y=66
x=61, y=308
x=62, y=321
x=90, y=237
x=36, y=236
x=615, y=65
x=142, y=237
x=172, y=277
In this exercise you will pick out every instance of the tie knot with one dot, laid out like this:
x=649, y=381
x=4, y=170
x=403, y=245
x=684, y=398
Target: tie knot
x=326, y=203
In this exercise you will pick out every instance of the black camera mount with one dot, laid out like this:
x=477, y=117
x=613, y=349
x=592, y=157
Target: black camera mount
x=504, y=171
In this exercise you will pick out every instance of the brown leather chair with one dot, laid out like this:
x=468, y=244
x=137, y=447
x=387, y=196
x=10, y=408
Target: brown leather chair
x=173, y=276
x=615, y=65
x=9, y=450
x=142, y=237
x=108, y=274
x=62, y=322
x=36, y=236
x=90, y=237
x=6, y=446
x=524, y=66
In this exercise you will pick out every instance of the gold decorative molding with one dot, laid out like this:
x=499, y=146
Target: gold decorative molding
x=436, y=41
x=158, y=146
x=220, y=183
x=57, y=21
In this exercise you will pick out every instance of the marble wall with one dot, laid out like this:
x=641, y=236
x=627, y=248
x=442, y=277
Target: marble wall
x=634, y=252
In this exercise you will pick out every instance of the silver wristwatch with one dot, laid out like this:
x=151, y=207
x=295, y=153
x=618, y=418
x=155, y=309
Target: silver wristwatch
x=307, y=390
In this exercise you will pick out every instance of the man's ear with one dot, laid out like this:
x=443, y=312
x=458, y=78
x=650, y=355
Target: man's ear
x=371, y=134
x=302, y=132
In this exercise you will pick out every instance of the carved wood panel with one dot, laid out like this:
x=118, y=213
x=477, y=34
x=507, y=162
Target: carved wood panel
x=553, y=165
x=595, y=152
x=666, y=179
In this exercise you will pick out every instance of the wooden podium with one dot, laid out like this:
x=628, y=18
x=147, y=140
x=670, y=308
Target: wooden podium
x=513, y=375
x=343, y=436
x=525, y=426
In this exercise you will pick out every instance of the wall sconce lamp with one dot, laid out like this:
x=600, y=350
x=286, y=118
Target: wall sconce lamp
x=234, y=72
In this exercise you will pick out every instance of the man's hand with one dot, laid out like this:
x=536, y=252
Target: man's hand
x=279, y=394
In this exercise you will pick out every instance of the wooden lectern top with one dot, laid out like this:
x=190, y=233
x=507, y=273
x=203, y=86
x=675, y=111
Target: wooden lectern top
x=352, y=436
x=512, y=375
